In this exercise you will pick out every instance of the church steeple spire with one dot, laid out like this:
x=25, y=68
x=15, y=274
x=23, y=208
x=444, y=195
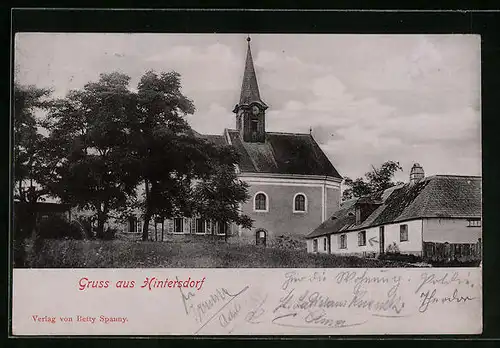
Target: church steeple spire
x=251, y=110
x=249, y=88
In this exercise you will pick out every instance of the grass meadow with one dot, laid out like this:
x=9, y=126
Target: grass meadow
x=186, y=254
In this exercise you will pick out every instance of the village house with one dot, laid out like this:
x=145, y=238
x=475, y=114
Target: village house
x=427, y=217
x=293, y=186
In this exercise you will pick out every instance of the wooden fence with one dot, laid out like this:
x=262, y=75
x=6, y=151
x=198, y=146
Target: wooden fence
x=452, y=251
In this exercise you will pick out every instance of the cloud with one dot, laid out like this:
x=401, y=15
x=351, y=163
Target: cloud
x=425, y=127
x=281, y=71
x=330, y=110
x=359, y=132
x=406, y=69
x=212, y=121
x=368, y=98
x=209, y=68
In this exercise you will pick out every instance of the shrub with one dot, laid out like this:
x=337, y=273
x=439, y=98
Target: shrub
x=392, y=248
x=455, y=263
x=76, y=231
x=110, y=233
x=400, y=257
x=86, y=224
x=57, y=227
x=288, y=243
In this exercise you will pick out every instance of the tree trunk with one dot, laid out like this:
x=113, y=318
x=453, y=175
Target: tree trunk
x=156, y=231
x=225, y=231
x=36, y=235
x=147, y=214
x=102, y=216
x=21, y=193
x=100, y=225
x=145, y=228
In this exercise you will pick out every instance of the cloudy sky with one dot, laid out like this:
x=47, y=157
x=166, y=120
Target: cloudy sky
x=367, y=98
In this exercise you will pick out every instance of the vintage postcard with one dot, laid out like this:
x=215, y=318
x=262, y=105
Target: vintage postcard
x=246, y=184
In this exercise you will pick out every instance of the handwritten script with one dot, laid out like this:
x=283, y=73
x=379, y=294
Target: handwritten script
x=329, y=301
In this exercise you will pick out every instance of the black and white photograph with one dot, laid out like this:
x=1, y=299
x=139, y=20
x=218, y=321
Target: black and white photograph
x=209, y=174
x=156, y=150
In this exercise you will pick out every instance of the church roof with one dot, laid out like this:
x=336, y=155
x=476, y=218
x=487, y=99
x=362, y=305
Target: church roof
x=439, y=196
x=281, y=153
x=213, y=138
x=249, y=88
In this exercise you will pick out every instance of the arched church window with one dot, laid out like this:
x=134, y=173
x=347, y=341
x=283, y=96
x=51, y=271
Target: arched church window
x=299, y=203
x=260, y=202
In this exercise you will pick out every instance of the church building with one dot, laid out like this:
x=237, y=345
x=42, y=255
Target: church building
x=293, y=186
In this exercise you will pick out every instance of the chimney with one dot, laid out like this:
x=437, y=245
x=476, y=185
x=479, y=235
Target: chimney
x=416, y=173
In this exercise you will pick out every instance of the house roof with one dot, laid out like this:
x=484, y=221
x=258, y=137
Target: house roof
x=341, y=220
x=439, y=196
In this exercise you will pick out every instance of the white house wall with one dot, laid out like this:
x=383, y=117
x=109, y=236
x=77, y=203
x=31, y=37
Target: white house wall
x=322, y=245
x=451, y=231
x=414, y=243
x=309, y=245
x=392, y=235
x=352, y=243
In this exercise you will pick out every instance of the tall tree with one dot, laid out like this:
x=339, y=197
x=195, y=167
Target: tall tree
x=89, y=132
x=378, y=179
x=30, y=159
x=29, y=162
x=170, y=155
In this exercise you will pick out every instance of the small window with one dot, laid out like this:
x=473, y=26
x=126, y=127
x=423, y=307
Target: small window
x=222, y=228
x=362, y=238
x=324, y=243
x=315, y=245
x=260, y=202
x=178, y=225
x=200, y=226
x=343, y=241
x=132, y=224
x=358, y=215
x=403, y=233
x=255, y=126
x=474, y=222
x=299, y=203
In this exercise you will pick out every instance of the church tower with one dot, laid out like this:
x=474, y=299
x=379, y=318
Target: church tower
x=251, y=110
